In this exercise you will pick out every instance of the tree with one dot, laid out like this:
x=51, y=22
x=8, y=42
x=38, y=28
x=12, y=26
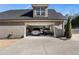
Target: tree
x=68, y=32
x=75, y=22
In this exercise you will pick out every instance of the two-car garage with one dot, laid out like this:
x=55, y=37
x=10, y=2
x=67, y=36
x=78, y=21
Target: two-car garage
x=19, y=29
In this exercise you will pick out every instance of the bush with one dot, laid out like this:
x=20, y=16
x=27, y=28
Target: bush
x=9, y=36
x=22, y=36
x=68, y=32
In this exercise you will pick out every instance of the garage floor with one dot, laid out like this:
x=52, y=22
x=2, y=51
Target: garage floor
x=40, y=45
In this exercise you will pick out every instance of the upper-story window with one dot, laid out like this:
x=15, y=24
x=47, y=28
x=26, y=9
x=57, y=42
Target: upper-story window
x=40, y=11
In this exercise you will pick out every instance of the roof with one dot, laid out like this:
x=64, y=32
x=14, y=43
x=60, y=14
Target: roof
x=27, y=14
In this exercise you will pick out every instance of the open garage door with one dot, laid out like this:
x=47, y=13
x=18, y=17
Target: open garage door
x=39, y=30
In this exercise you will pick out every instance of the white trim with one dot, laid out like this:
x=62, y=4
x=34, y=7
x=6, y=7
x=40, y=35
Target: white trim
x=41, y=24
x=63, y=27
x=24, y=30
x=53, y=26
x=54, y=30
x=28, y=20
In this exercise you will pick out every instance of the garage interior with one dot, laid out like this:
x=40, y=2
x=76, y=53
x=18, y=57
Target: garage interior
x=39, y=30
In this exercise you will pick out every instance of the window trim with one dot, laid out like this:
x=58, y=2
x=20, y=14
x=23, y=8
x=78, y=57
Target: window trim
x=40, y=12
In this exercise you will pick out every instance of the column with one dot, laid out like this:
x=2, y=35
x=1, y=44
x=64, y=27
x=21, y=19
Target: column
x=53, y=28
x=54, y=31
x=24, y=31
x=63, y=28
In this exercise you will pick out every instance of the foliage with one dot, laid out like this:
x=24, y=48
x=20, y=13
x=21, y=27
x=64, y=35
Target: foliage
x=9, y=36
x=75, y=22
x=68, y=32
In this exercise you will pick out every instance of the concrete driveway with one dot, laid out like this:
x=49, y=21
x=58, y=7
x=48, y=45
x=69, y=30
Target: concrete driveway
x=42, y=46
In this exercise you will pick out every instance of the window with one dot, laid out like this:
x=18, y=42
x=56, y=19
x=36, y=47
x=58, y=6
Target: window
x=40, y=11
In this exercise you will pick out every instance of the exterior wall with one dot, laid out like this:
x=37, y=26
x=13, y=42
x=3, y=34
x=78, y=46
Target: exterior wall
x=34, y=5
x=17, y=31
x=11, y=23
x=57, y=23
x=58, y=32
x=39, y=23
x=6, y=28
x=19, y=28
x=59, y=28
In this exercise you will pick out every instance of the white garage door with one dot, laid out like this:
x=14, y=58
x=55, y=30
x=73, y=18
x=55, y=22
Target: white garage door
x=17, y=31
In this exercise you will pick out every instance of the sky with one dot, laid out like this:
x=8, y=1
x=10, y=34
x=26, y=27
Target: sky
x=62, y=8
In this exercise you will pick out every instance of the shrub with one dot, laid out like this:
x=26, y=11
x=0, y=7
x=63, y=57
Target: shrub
x=22, y=36
x=9, y=36
x=68, y=32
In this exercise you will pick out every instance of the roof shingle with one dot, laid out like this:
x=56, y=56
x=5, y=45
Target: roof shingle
x=28, y=15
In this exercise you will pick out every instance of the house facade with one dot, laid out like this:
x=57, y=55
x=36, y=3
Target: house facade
x=24, y=22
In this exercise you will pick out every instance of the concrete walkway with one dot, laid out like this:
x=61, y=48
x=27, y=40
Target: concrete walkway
x=42, y=46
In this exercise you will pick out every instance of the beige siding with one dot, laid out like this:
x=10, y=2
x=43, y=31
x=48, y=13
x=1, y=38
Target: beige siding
x=11, y=23
x=58, y=28
x=45, y=22
x=58, y=32
x=58, y=22
x=18, y=27
x=18, y=31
